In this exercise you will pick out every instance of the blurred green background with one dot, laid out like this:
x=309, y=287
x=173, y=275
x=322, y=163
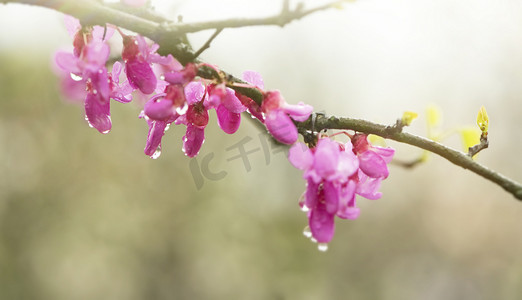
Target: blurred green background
x=89, y=216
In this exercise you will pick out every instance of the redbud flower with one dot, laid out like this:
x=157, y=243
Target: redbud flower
x=138, y=57
x=278, y=114
x=87, y=64
x=228, y=107
x=335, y=173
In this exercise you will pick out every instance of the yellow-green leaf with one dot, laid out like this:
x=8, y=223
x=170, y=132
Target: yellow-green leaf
x=408, y=117
x=483, y=120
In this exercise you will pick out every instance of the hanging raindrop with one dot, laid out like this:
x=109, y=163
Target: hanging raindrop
x=183, y=109
x=307, y=232
x=157, y=153
x=322, y=247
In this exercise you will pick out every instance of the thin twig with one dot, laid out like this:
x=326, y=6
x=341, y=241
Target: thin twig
x=408, y=164
x=281, y=19
x=484, y=143
x=207, y=44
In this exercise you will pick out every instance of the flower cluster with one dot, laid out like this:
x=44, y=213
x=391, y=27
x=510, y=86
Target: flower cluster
x=335, y=173
x=173, y=93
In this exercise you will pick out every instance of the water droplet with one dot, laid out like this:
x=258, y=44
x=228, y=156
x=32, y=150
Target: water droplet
x=156, y=154
x=76, y=77
x=94, y=92
x=307, y=232
x=162, y=77
x=167, y=127
x=322, y=247
x=182, y=110
x=106, y=131
x=313, y=240
x=87, y=119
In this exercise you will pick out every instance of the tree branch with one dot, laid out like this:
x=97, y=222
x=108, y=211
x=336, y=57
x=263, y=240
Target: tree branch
x=281, y=19
x=456, y=157
x=172, y=39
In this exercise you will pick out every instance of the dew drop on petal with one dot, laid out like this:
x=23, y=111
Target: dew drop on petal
x=75, y=77
x=313, y=240
x=156, y=154
x=307, y=232
x=322, y=247
x=162, y=77
x=87, y=119
x=95, y=92
x=167, y=128
x=182, y=110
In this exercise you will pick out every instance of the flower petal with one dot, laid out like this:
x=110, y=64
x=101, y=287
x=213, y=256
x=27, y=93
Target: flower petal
x=347, y=209
x=348, y=164
x=194, y=92
x=385, y=153
x=373, y=164
x=102, y=33
x=193, y=139
x=300, y=156
x=68, y=62
x=281, y=127
x=369, y=187
x=312, y=190
x=141, y=76
x=299, y=112
x=321, y=223
x=227, y=120
x=254, y=78
x=156, y=132
x=326, y=157
x=72, y=25
x=100, y=84
x=97, y=113
x=331, y=197
x=159, y=109
x=231, y=102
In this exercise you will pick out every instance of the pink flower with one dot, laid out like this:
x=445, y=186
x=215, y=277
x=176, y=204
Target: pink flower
x=278, y=114
x=326, y=168
x=138, y=57
x=334, y=176
x=373, y=160
x=195, y=118
x=87, y=65
x=156, y=131
x=228, y=107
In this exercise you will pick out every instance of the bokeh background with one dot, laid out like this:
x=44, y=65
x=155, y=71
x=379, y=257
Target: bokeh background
x=89, y=216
